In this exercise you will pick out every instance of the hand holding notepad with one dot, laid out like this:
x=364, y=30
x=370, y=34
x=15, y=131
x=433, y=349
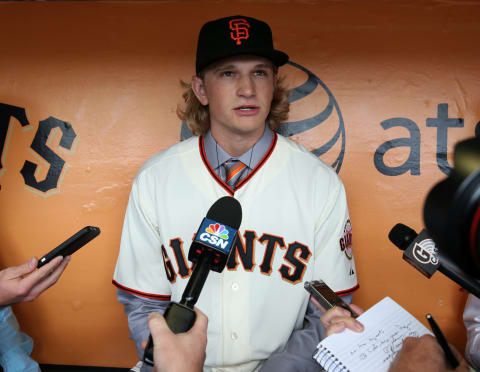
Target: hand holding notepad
x=386, y=324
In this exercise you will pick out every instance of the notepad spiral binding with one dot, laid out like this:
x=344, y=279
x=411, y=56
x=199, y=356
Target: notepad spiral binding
x=328, y=361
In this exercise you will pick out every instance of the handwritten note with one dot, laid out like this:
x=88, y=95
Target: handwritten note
x=387, y=324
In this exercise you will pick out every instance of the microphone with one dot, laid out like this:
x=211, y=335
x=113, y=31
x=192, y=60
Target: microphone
x=210, y=250
x=421, y=252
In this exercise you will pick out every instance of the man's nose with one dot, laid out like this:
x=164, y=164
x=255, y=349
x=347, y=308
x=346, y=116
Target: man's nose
x=246, y=86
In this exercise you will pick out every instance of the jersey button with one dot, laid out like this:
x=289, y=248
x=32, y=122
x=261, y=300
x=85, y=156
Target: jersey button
x=235, y=286
x=234, y=336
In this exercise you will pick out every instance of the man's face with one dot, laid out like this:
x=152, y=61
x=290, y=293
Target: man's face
x=239, y=92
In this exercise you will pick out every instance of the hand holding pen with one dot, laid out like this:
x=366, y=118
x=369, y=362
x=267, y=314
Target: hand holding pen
x=426, y=355
x=442, y=341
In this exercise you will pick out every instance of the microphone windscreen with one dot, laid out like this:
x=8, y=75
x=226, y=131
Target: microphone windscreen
x=226, y=210
x=401, y=235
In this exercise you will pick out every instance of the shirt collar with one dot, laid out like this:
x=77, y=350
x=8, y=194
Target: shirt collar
x=216, y=155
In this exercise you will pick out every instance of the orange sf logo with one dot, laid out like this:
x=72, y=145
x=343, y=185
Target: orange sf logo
x=239, y=27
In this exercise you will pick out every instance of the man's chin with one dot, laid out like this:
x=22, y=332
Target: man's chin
x=248, y=130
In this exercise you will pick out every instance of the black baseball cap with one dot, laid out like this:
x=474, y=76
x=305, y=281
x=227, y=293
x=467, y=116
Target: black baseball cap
x=236, y=35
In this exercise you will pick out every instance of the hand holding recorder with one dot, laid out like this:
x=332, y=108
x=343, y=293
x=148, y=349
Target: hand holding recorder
x=338, y=314
x=25, y=283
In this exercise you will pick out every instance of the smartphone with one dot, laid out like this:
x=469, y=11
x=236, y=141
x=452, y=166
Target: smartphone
x=71, y=245
x=321, y=292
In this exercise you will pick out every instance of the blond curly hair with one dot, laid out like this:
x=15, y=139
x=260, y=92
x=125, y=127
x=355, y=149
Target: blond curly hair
x=197, y=116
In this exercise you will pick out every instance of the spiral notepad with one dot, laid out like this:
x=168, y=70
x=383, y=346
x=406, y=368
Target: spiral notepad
x=386, y=324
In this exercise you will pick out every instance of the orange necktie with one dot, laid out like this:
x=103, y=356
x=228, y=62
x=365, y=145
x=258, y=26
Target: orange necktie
x=234, y=170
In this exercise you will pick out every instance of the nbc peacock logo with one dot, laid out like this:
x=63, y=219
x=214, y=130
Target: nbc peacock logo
x=217, y=230
x=215, y=234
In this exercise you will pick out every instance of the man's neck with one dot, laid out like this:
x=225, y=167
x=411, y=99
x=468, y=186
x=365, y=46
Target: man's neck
x=236, y=144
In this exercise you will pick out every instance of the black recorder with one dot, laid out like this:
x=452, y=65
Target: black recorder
x=71, y=245
x=321, y=292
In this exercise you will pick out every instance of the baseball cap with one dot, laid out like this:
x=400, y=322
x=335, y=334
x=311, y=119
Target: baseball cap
x=236, y=35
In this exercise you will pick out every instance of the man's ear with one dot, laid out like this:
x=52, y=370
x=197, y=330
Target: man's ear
x=198, y=87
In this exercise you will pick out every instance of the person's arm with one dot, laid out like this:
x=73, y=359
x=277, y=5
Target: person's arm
x=26, y=283
x=471, y=319
x=178, y=352
x=297, y=355
x=140, y=277
x=137, y=310
x=424, y=354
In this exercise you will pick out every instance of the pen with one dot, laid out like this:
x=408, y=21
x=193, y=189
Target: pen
x=443, y=342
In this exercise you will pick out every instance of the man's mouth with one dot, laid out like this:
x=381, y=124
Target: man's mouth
x=246, y=108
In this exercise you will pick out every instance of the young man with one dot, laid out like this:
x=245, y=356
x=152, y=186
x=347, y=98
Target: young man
x=295, y=224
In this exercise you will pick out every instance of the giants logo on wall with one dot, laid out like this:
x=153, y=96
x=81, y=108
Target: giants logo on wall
x=316, y=119
x=47, y=185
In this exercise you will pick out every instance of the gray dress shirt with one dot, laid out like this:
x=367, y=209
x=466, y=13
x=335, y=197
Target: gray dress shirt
x=216, y=155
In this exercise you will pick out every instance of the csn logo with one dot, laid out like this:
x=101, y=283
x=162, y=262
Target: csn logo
x=426, y=252
x=216, y=235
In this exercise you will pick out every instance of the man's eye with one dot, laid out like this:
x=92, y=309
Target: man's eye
x=261, y=73
x=227, y=73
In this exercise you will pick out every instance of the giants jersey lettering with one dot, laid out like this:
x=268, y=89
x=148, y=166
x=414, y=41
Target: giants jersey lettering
x=295, y=257
x=294, y=218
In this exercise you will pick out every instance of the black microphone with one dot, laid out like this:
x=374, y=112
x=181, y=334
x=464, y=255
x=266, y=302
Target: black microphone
x=421, y=252
x=210, y=250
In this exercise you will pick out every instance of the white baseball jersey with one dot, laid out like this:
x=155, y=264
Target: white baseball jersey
x=295, y=227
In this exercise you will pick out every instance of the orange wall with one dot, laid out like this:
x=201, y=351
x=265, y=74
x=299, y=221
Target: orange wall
x=111, y=70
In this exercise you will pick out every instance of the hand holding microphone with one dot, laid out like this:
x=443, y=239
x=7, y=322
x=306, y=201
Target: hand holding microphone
x=178, y=352
x=209, y=251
